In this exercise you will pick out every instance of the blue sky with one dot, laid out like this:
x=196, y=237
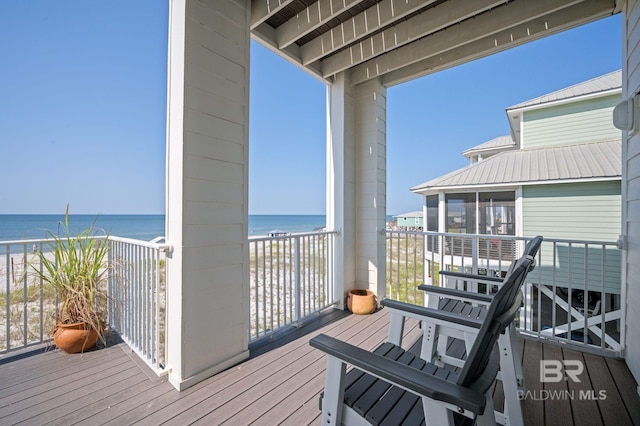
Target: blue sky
x=83, y=110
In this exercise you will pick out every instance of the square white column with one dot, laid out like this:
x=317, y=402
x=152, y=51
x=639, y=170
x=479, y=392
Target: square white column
x=207, y=196
x=356, y=183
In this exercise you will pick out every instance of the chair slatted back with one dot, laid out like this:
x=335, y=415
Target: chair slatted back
x=500, y=313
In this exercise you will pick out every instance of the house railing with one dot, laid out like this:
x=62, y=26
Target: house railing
x=136, y=287
x=137, y=297
x=573, y=295
x=27, y=305
x=290, y=280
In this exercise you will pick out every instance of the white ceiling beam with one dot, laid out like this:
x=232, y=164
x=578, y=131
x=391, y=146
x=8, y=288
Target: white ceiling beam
x=309, y=19
x=261, y=10
x=419, y=26
x=361, y=25
x=529, y=31
x=470, y=30
x=264, y=34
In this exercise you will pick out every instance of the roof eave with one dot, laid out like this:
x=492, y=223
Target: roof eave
x=568, y=100
x=505, y=185
x=514, y=113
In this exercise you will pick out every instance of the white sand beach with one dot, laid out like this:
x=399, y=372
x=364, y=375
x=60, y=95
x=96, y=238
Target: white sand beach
x=12, y=270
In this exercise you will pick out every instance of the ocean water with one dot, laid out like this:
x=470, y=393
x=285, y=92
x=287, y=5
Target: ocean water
x=263, y=224
x=141, y=227
x=22, y=227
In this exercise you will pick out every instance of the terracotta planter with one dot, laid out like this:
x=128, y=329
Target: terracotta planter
x=74, y=338
x=361, y=302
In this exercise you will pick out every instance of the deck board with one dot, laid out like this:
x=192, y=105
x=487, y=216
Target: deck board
x=112, y=404
x=612, y=408
x=584, y=410
x=627, y=387
x=279, y=384
x=533, y=410
x=557, y=409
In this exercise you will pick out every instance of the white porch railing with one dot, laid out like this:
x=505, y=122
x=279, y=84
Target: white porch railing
x=573, y=296
x=290, y=280
x=136, y=296
x=27, y=306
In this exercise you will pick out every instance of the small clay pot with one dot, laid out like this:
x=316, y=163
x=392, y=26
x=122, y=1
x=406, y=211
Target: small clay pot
x=361, y=302
x=74, y=338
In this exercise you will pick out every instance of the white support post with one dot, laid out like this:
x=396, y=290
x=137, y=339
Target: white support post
x=297, y=283
x=356, y=184
x=371, y=189
x=207, y=196
x=340, y=184
x=630, y=307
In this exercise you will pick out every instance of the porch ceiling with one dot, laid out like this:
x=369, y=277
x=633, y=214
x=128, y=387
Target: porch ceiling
x=399, y=40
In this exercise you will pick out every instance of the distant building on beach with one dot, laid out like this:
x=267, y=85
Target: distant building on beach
x=410, y=221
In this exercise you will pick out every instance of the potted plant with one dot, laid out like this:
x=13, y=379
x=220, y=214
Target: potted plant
x=77, y=266
x=361, y=302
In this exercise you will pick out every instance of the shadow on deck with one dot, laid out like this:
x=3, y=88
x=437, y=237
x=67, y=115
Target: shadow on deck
x=280, y=384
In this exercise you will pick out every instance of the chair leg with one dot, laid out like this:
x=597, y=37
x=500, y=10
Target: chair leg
x=436, y=414
x=427, y=351
x=441, y=349
x=332, y=401
x=513, y=338
x=508, y=370
x=488, y=418
x=396, y=329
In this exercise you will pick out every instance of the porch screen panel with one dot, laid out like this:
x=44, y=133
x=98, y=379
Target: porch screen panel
x=432, y=213
x=497, y=216
x=461, y=219
x=497, y=212
x=461, y=213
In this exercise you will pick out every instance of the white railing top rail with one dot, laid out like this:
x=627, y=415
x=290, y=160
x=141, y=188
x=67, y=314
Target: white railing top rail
x=506, y=237
x=164, y=247
x=142, y=243
x=290, y=235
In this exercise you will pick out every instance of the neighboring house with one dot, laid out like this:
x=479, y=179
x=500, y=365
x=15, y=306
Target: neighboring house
x=410, y=221
x=558, y=174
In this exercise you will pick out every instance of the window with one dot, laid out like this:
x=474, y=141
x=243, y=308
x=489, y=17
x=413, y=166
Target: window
x=461, y=213
x=432, y=213
x=497, y=213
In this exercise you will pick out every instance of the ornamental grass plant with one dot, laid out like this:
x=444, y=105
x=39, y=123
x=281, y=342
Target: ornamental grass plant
x=77, y=267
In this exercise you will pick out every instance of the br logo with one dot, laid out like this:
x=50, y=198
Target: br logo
x=553, y=371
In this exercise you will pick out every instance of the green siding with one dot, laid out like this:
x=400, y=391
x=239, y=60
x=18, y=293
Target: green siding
x=583, y=211
x=410, y=222
x=578, y=122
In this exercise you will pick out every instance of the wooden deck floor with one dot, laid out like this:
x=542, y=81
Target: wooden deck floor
x=280, y=384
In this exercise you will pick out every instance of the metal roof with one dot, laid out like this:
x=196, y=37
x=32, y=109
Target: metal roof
x=600, y=84
x=417, y=213
x=398, y=41
x=590, y=161
x=499, y=143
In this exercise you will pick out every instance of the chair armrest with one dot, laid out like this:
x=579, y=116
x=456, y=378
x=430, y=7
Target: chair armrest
x=457, y=294
x=423, y=313
x=408, y=378
x=472, y=277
